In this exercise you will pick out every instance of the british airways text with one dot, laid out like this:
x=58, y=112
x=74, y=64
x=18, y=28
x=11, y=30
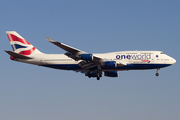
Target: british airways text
x=134, y=57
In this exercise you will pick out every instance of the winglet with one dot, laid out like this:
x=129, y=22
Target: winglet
x=50, y=40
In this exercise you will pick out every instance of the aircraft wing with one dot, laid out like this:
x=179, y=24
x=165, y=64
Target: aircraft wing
x=64, y=46
x=71, y=52
x=75, y=54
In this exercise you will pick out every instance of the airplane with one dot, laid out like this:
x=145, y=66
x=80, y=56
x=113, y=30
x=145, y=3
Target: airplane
x=92, y=65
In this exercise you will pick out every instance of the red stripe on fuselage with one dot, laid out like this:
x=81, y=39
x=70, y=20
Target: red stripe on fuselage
x=145, y=60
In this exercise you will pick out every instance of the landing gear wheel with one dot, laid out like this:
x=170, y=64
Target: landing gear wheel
x=100, y=75
x=89, y=75
x=157, y=74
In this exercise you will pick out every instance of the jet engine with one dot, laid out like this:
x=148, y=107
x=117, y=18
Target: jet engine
x=86, y=57
x=111, y=73
x=110, y=64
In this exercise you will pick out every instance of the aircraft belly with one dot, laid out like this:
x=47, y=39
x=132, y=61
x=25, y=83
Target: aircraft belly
x=149, y=66
x=64, y=66
x=127, y=67
x=137, y=67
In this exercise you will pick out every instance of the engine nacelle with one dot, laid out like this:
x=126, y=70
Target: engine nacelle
x=110, y=64
x=111, y=73
x=86, y=57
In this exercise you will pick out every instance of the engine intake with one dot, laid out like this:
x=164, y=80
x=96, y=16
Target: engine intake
x=111, y=73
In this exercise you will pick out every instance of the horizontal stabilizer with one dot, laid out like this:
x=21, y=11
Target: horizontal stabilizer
x=16, y=55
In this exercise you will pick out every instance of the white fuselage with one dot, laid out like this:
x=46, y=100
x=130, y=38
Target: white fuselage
x=133, y=59
x=93, y=65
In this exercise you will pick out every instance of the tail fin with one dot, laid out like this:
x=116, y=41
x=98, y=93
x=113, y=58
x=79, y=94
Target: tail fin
x=20, y=45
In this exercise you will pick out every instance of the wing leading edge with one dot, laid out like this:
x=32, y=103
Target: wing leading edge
x=64, y=46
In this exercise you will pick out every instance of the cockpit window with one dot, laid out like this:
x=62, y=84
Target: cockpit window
x=162, y=53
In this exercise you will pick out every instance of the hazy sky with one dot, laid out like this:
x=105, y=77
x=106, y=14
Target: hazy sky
x=29, y=92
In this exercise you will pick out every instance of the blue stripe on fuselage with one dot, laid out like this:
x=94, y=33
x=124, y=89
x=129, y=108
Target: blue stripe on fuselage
x=143, y=66
x=65, y=66
x=127, y=67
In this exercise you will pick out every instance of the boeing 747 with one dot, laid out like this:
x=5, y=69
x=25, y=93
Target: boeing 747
x=92, y=65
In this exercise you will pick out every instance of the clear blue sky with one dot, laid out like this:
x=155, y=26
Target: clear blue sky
x=30, y=92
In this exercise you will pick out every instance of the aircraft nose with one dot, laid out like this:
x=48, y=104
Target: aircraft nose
x=174, y=61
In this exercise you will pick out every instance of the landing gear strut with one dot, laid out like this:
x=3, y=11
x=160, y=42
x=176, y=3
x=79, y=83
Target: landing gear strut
x=157, y=72
x=99, y=75
x=90, y=74
x=99, y=72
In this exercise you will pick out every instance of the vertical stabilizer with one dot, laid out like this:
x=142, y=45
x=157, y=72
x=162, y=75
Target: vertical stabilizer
x=20, y=45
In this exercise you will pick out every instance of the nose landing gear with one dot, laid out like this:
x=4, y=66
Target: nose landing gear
x=157, y=72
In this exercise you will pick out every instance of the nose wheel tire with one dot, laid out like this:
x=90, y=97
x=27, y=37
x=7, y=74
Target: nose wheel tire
x=157, y=74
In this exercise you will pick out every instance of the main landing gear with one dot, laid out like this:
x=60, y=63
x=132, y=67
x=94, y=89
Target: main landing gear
x=97, y=74
x=157, y=72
